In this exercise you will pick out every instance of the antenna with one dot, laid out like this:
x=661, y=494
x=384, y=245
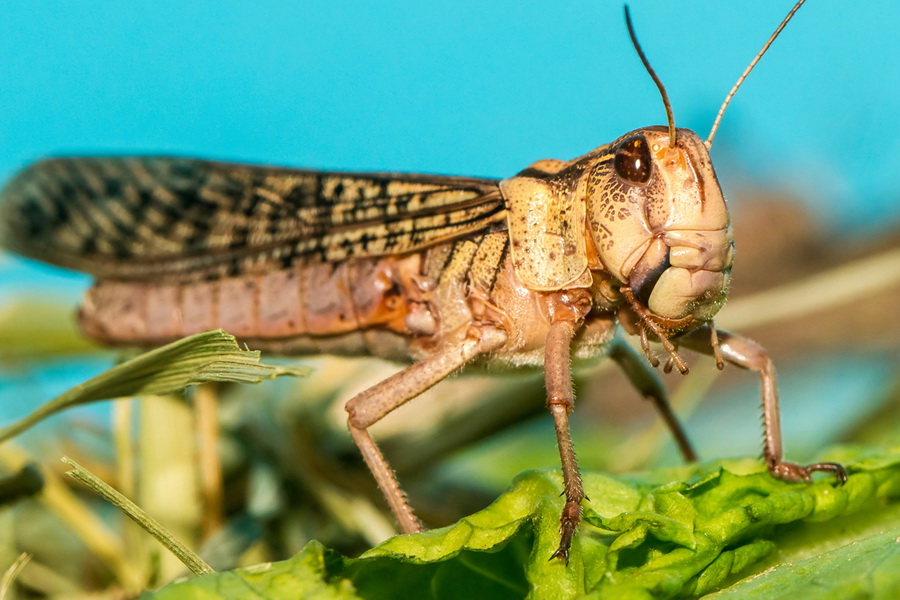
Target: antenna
x=662, y=89
x=746, y=72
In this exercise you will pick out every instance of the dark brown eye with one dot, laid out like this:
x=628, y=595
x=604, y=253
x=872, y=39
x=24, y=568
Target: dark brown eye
x=633, y=160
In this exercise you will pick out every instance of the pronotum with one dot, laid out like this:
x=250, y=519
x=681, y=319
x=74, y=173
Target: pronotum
x=440, y=271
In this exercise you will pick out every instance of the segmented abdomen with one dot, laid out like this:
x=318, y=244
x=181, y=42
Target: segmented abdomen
x=314, y=300
x=375, y=306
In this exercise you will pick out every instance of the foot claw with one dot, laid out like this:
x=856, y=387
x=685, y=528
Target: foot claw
x=562, y=553
x=791, y=472
x=840, y=473
x=567, y=532
x=568, y=524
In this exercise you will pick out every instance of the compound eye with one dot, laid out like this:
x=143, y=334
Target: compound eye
x=632, y=160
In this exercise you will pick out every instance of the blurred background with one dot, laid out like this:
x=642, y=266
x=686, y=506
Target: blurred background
x=805, y=155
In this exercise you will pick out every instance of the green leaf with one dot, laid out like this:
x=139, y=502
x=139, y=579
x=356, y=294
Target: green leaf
x=643, y=538
x=201, y=358
x=869, y=568
x=303, y=576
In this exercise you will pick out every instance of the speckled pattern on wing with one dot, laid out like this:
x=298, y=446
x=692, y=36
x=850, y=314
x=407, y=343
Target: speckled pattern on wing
x=187, y=219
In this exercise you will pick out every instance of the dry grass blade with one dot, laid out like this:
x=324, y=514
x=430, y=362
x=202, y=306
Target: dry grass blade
x=77, y=518
x=187, y=556
x=204, y=357
x=12, y=572
x=206, y=404
x=835, y=287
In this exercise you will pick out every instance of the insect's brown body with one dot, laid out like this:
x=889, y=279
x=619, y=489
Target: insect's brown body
x=302, y=302
x=393, y=308
x=445, y=272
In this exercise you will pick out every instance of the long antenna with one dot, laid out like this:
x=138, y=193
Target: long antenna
x=662, y=90
x=746, y=72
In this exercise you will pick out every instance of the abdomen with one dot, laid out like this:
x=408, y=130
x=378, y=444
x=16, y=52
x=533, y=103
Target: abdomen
x=350, y=307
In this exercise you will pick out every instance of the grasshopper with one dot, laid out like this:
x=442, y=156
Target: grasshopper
x=535, y=270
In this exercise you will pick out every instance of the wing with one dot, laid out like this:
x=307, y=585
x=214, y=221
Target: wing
x=137, y=218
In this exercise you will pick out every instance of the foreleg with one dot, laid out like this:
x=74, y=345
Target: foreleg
x=560, y=400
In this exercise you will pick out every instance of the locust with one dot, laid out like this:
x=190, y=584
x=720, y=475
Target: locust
x=539, y=269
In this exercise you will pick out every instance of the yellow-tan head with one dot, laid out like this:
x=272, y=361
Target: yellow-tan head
x=660, y=226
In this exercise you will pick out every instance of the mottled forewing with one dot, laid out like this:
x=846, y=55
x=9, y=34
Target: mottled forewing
x=136, y=218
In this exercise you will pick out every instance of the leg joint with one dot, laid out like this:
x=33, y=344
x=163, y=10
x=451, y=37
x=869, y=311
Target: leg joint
x=564, y=401
x=353, y=420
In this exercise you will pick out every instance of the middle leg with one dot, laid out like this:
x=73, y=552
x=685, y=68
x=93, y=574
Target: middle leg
x=647, y=382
